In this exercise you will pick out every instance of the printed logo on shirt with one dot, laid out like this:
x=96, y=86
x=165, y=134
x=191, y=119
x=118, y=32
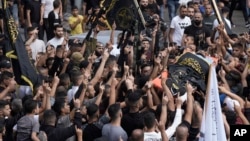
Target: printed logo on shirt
x=183, y=25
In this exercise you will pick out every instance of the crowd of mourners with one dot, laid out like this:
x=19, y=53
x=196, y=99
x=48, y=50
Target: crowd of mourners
x=90, y=93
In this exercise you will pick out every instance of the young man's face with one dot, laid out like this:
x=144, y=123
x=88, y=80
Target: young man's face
x=75, y=12
x=59, y=32
x=236, y=52
x=5, y=111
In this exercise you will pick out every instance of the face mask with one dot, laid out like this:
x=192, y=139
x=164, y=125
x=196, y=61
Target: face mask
x=197, y=22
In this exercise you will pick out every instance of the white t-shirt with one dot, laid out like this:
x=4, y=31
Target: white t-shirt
x=179, y=25
x=57, y=41
x=216, y=24
x=37, y=46
x=71, y=92
x=149, y=136
x=48, y=7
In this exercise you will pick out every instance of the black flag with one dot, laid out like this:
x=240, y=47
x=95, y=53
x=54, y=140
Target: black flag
x=24, y=72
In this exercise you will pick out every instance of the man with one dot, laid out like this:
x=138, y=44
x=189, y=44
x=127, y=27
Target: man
x=178, y=24
x=113, y=130
x=225, y=12
x=200, y=33
x=134, y=116
x=7, y=85
x=209, y=17
x=76, y=21
x=46, y=7
x=55, y=133
x=33, y=16
x=59, y=38
x=53, y=19
x=190, y=12
x=93, y=129
x=36, y=45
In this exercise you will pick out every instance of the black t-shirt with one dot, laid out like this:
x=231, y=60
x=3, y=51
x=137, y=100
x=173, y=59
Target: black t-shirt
x=199, y=33
x=34, y=6
x=131, y=121
x=91, y=132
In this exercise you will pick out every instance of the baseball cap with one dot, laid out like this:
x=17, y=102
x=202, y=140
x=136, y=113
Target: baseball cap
x=77, y=57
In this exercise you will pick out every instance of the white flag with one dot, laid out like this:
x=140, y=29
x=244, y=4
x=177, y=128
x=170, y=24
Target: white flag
x=212, y=127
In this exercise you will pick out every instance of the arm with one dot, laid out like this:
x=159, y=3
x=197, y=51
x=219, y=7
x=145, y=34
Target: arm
x=163, y=117
x=100, y=69
x=166, y=90
x=241, y=114
x=28, y=18
x=190, y=101
x=170, y=34
x=74, y=24
x=177, y=119
x=99, y=96
x=232, y=95
x=65, y=65
x=183, y=39
x=34, y=136
x=42, y=13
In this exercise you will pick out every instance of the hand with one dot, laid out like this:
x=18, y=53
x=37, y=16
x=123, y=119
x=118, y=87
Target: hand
x=41, y=22
x=78, y=132
x=189, y=88
x=66, y=61
x=149, y=84
x=126, y=68
x=222, y=73
x=164, y=99
x=114, y=26
x=92, y=58
x=157, y=60
x=101, y=88
x=105, y=54
x=129, y=83
x=77, y=103
x=56, y=79
x=46, y=88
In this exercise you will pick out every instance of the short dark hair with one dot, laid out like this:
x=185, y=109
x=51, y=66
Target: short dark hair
x=58, y=26
x=3, y=103
x=6, y=75
x=30, y=105
x=56, y=4
x=113, y=111
x=92, y=109
x=74, y=8
x=29, y=29
x=75, y=76
x=63, y=77
x=149, y=119
x=49, y=117
x=58, y=105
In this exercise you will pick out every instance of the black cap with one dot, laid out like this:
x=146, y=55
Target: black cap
x=5, y=64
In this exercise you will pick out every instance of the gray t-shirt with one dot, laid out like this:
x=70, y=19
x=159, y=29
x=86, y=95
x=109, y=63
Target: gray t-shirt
x=113, y=133
x=25, y=126
x=64, y=122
